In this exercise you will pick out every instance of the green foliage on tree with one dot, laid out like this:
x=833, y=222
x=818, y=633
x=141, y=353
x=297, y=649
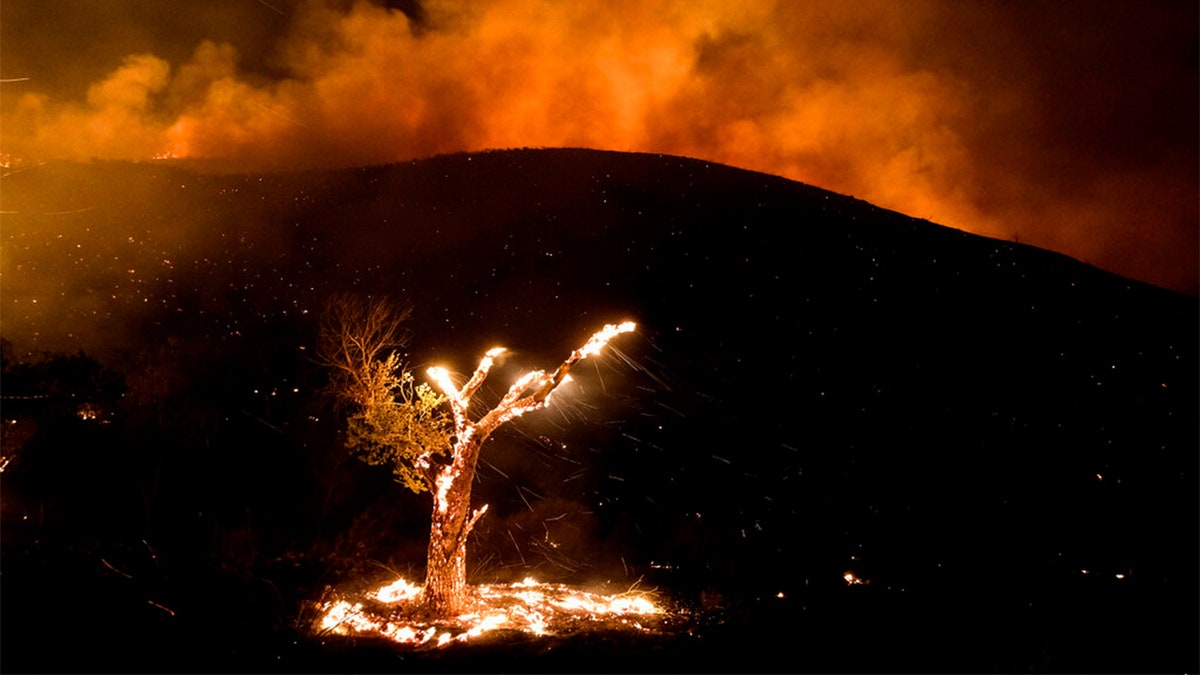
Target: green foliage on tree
x=391, y=420
x=400, y=433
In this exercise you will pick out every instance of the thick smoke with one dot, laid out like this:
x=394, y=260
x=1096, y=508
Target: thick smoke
x=1067, y=126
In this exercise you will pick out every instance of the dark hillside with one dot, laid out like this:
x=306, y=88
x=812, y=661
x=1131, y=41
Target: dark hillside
x=1000, y=439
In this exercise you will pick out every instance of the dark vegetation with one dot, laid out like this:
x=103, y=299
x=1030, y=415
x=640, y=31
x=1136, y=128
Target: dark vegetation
x=817, y=386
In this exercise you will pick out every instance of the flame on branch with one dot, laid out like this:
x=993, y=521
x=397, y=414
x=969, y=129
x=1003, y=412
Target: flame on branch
x=601, y=338
x=519, y=399
x=528, y=393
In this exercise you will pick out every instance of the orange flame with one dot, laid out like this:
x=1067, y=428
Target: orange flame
x=526, y=606
x=602, y=336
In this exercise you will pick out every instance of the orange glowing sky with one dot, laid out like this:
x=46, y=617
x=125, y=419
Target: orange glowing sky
x=1069, y=125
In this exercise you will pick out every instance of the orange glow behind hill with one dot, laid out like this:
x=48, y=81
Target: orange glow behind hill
x=852, y=98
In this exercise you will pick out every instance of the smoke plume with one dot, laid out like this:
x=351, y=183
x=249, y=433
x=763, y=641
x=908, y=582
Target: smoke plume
x=1068, y=126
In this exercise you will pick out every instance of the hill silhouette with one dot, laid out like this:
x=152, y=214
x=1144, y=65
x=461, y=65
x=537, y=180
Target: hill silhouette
x=1000, y=439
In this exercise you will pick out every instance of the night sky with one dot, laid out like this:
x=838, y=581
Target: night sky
x=1069, y=125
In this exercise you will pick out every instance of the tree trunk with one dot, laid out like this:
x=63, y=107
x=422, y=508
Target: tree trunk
x=445, y=592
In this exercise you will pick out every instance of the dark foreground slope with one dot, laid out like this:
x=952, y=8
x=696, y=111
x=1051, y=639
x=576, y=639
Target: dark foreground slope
x=1000, y=442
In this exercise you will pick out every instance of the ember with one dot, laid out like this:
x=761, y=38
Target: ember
x=393, y=612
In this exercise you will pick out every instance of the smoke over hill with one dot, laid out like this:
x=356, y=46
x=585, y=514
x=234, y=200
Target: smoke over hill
x=1071, y=127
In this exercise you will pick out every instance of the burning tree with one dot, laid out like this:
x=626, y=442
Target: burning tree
x=402, y=423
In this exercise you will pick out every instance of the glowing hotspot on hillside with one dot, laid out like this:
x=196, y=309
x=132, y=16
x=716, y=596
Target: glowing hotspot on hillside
x=540, y=609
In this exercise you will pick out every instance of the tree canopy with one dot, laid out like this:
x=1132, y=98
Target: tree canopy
x=392, y=420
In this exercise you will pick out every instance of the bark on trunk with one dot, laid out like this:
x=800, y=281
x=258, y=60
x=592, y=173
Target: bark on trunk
x=446, y=591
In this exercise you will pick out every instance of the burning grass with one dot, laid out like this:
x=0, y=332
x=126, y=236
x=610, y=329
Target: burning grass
x=393, y=612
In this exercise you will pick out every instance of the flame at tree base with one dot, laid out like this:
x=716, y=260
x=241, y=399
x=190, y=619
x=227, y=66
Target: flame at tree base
x=393, y=612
